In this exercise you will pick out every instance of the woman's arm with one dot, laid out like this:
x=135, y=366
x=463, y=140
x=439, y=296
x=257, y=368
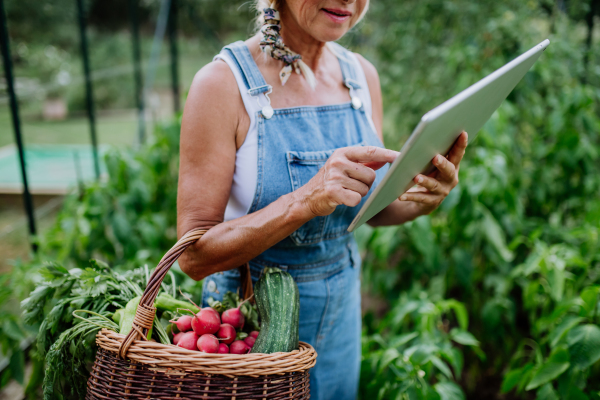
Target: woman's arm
x=432, y=189
x=213, y=125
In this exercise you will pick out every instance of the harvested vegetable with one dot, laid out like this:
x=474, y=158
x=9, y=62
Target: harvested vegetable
x=206, y=321
x=250, y=341
x=223, y=349
x=239, y=347
x=234, y=317
x=184, y=323
x=176, y=337
x=232, y=300
x=226, y=333
x=188, y=341
x=208, y=343
x=278, y=302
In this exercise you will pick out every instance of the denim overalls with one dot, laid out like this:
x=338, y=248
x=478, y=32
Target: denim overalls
x=322, y=257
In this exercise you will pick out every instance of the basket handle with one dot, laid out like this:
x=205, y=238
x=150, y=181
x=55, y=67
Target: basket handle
x=144, y=316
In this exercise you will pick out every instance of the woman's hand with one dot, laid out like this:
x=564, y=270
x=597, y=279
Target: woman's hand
x=345, y=178
x=431, y=190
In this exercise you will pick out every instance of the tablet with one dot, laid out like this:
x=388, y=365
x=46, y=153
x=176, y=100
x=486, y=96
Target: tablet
x=439, y=128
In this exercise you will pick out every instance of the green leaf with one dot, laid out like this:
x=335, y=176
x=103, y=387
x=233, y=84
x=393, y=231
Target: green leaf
x=455, y=357
x=17, y=365
x=584, y=345
x=388, y=356
x=463, y=337
x=512, y=378
x=11, y=329
x=494, y=234
x=556, y=279
x=460, y=310
x=444, y=369
x=421, y=353
x=574, y=393
x=589, y=296
x=403, y=339
x=562, y=329
x=557, y=364
x=449, y=391
x=547, y=392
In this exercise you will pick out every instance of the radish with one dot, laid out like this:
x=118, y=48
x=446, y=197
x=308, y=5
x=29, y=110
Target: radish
x=223, y=349
x=208, y=343
x=206, y=321
x=226, y=333
x=249, y=341
x=239, y=347
x=234, y=317
x=176, y=337
x=188, y=341
x=212, y=310
x=184, y=323
x=254, y=334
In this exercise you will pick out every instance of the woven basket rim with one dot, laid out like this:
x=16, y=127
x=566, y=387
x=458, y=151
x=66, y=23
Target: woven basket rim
x=168, y=356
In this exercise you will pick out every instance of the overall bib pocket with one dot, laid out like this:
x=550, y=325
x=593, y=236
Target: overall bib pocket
x=302, y=167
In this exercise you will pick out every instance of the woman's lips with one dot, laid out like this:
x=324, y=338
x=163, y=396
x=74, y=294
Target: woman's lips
x=338, y=16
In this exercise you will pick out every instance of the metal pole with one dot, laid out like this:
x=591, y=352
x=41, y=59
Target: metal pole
x=137, y=66
x=88, y=85
x=174, y=55
x=14, y=108
x=589, y=19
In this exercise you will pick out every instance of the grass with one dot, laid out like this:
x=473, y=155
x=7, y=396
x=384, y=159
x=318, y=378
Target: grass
x=117, y=130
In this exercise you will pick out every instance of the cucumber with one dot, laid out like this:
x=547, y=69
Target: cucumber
x=278, y=303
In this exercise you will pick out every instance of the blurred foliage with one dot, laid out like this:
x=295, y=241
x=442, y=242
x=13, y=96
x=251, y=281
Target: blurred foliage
x=127, y=220
x=517, y=241
x=494, y=295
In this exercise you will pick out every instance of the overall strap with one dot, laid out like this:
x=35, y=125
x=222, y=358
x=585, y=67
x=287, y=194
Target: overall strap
x=347, y=65
x=255, y=83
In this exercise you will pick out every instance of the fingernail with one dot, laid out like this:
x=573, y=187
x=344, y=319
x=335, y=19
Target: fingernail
x=419, y=179
x=403, y=197
x=438, y=159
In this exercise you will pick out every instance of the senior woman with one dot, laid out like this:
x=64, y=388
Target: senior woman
x=281, y=142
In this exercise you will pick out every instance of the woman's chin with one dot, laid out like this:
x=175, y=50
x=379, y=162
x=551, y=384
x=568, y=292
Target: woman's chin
x=327, y=34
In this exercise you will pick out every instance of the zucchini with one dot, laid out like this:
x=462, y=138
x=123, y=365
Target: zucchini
x=278, y=302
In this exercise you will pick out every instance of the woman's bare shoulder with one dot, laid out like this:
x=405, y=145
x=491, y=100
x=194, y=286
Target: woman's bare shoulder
x=214, y=103
x=215, y=82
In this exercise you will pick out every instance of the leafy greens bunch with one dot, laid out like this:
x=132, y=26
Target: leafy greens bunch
x=66, y=337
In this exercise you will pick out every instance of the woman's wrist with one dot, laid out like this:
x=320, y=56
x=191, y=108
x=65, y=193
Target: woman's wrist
x=297, y=210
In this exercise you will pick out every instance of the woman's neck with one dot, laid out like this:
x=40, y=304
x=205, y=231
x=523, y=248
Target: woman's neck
x=300, y=41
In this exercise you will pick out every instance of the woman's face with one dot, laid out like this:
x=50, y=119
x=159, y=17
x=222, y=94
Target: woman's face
x=325, y=20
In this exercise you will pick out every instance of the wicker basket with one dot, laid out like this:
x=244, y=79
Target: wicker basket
x=131, y=367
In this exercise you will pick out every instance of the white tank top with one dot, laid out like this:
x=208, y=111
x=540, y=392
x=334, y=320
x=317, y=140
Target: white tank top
x=243, y=186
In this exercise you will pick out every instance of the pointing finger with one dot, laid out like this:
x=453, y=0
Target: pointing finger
x=366, y=154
